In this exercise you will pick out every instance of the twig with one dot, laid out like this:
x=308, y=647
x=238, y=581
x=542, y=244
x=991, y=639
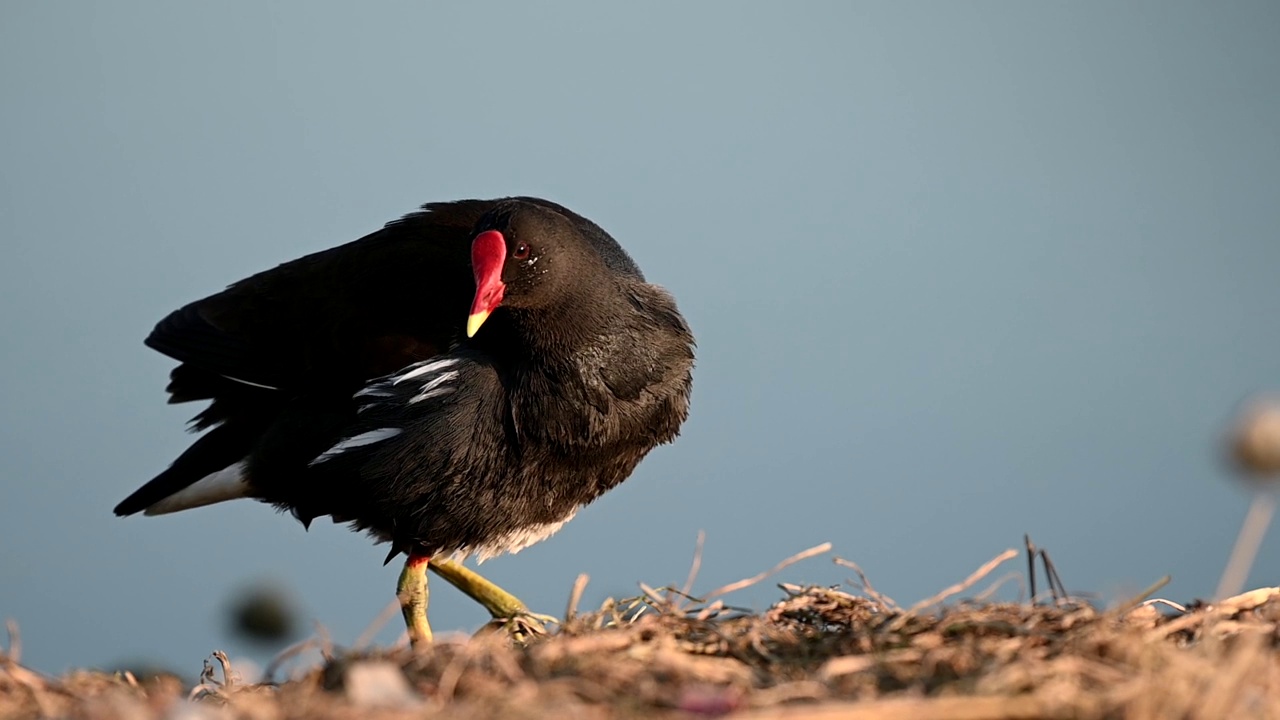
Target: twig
x=384, y=615
x=14, y=653
x=268, y=675
x=1141, y=597
x=871, y=592
x=608, y=608
x=655, y=598
x=575, y=596
x=985, y=594
x=1246, y=548
x=696, y=565
x=325, y=642
x=202, y=689
x=1167, y=603
x=1056, y=588
x=1031, y=566
x=977, y=575
x=208, y=684
x=710, y=610
x=969, y=582
x=673, y=593
x=227, y=680
x=748, y=582
x=32, y=680
x=1222, y=609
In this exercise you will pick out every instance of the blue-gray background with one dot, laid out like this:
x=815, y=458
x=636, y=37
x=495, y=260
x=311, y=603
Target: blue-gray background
x=957, y=271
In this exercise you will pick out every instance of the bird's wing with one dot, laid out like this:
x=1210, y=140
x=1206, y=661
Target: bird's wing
x=388, y=406
x=335, y=317
x=414, y=434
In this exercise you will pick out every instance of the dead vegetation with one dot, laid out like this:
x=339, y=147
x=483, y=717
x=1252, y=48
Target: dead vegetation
x=818, y=652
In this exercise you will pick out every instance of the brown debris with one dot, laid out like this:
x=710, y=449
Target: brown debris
x=817, y=653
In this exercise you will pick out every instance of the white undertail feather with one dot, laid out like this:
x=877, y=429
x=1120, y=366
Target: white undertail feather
x=516, y=541
x=228, y=483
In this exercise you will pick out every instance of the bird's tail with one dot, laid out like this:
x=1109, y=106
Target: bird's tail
x=211, y=470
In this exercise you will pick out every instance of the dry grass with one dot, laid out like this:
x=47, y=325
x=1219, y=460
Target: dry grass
x=817, y=653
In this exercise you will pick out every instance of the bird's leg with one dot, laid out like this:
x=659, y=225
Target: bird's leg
x=412, y=591
x=502, y=605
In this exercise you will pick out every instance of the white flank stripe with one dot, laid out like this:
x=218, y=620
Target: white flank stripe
x=433, y=389
x=429, y=367
x=375, y=390
x=430, y=394
x=228, y=483
x=365, y=438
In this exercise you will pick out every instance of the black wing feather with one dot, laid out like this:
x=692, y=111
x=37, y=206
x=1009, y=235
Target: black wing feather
x=185, y=335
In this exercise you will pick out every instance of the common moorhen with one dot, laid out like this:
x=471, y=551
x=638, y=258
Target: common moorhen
x=458, y=383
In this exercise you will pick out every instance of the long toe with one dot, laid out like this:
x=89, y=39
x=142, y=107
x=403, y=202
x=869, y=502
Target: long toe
x=523, y=627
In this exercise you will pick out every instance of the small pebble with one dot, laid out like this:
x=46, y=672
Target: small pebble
x=379, y=684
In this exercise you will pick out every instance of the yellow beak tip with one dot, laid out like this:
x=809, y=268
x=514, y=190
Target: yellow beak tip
x=474, y=322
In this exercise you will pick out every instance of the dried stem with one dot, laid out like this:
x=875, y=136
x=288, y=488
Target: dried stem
x=748, y=582
x=696, y=565
x=1246, y=548
x=871, y=592
x=14, y=653
x=380, y=620
x=960, y=587
x=575, y=596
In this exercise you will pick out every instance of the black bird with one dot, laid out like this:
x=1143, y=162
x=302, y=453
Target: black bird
x=356, y=383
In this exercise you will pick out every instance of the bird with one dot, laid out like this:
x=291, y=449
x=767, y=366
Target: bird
x=457, y=383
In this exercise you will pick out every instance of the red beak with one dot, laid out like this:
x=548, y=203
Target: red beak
x=488, y=252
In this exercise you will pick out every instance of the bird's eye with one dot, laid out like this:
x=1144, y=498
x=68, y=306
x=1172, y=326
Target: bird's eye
x=521, y=251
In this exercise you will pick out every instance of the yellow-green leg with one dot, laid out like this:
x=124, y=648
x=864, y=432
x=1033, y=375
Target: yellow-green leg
x=502, y=605
x=412, y=591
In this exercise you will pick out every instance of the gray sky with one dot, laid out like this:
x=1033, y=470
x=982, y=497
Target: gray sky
x=957, y=271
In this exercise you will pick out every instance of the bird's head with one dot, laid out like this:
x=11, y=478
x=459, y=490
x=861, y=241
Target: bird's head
x=530, y=253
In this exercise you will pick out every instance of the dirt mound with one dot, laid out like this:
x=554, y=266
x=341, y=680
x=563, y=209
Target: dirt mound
x=818, y=652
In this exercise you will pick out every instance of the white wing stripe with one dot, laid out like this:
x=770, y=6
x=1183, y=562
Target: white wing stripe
x=365, y=438
x=429, y=367
x=433, y=389
x=430, y=394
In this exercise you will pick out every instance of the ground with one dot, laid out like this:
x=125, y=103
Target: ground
x=818, y=652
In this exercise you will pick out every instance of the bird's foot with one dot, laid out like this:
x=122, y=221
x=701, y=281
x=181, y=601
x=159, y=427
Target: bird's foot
x=522, y=627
